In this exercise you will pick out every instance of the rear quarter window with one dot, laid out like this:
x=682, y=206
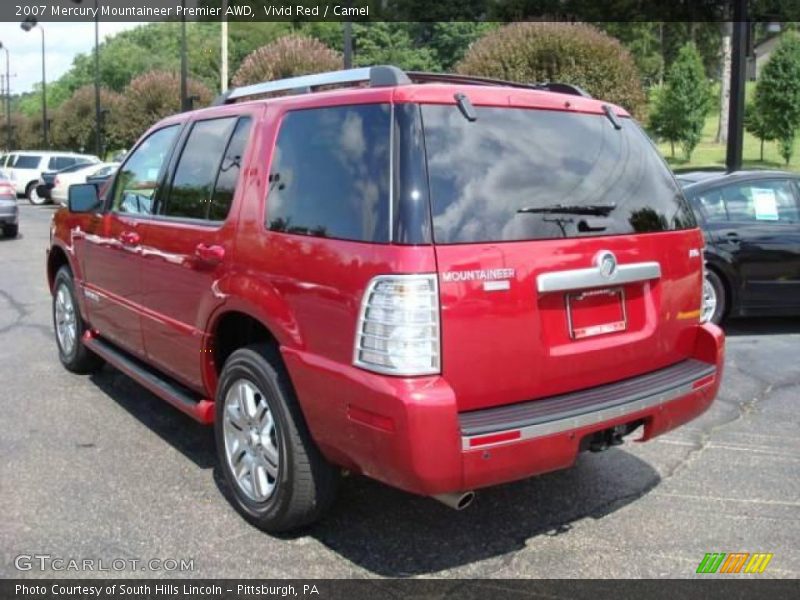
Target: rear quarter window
x=330, y=173
x=497, y=178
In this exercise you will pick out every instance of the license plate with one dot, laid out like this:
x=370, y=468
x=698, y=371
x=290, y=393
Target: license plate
x=596, y=312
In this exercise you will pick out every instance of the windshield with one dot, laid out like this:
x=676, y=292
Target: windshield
x=522, y=174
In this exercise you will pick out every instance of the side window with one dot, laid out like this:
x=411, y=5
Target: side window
x=59, y=163
x=137, y=182
x=193, y=182
x=27, y=161
x=330, y=173
x=229, y=171
x=753, y=201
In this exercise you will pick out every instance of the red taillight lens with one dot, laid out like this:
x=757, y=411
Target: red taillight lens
x=7, y=189
x=55, y=182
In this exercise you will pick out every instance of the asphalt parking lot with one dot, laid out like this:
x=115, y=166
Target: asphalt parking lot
x=96, y=467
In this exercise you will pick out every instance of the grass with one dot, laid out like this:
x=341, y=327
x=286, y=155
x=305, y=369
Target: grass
x=710, y=154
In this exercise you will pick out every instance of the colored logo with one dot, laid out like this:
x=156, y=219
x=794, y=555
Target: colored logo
x=735, y=562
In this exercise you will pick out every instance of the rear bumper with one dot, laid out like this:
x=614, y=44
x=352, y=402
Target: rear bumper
x=9, y=214
x=408, y=432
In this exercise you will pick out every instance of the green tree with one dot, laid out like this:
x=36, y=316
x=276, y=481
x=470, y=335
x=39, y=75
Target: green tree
x=754, y=123
x=683, y=104
x=574, y=53
x=777, y=97
x=383, y=43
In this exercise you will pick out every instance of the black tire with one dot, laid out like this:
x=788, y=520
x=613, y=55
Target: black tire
x=79, y=359
x=718, y=287
x=33, y=197
x=306, y=484
x=11, y=230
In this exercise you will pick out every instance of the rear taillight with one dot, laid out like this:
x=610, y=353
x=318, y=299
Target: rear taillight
x=7, y=189
x=398, y=328
x=55, y=182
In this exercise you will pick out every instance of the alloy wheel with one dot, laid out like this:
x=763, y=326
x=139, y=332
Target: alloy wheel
x=709, y=300
x=66, y=324
x=251, y=440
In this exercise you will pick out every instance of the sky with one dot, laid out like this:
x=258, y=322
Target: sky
x=62, y=42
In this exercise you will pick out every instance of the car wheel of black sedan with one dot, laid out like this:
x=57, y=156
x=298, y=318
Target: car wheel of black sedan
x=714, y=298
x=11, y=230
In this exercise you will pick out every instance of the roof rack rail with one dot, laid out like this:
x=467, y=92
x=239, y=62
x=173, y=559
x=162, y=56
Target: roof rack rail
x=551, y=86
x=379, y=76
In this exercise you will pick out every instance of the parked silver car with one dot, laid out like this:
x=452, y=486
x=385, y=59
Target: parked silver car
x=9, y=211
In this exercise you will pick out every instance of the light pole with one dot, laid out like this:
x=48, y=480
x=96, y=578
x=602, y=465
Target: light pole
x=184, y=66
x=348, y=44
x=98, y=140
x=8, y=98
x=28, y=24
x=223, y=69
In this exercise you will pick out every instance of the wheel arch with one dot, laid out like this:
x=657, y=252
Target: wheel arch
x=56, y=258
x=726, y=276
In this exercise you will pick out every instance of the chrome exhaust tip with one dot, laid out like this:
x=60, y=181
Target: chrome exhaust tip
x=456, y=500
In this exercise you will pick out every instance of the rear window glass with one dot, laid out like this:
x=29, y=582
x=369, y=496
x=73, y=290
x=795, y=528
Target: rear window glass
x=26, y=161
x=523, y=174
x=330, y=173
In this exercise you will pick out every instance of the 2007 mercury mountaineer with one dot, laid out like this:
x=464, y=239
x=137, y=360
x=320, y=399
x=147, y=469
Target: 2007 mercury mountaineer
x=437, y=281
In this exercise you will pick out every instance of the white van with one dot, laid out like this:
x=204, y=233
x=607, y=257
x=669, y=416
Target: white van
x=23, y=168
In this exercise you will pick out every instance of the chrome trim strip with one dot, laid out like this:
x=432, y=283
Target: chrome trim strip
x=591, y=418
x=578, y=279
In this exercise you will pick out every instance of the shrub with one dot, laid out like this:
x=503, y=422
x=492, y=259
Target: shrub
x=574, y=53
x=683, y=104
x=287, y=56
x=148, y=99
x=75, y=120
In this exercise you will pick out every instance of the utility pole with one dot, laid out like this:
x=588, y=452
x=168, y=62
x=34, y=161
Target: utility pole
x=8, y=98
x=733, y=159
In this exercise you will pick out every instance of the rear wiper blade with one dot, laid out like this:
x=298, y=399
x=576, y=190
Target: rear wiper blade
x=597, y=210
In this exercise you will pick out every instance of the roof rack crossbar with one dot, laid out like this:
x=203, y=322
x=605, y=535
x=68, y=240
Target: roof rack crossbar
x=379, y=76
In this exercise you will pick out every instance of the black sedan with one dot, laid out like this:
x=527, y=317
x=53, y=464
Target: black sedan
x=751, y=221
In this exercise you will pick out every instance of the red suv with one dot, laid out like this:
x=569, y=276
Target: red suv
x=440, y=282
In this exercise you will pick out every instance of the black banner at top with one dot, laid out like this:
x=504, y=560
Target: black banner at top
x=399, y=10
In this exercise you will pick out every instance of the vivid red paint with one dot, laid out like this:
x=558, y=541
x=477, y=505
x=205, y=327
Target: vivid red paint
x=160, y=288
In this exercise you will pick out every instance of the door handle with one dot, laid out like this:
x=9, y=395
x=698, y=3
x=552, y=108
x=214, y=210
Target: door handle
x=129, y=238
x=732, y=237
x=209, y=253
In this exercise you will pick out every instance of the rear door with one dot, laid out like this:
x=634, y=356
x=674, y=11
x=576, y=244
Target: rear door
x=757, y=223
x=567, y=255
x=188, y=243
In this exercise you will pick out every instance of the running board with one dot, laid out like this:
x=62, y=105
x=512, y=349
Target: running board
x=199, y=409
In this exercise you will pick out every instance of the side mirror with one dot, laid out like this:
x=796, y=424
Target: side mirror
x=83, y=198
